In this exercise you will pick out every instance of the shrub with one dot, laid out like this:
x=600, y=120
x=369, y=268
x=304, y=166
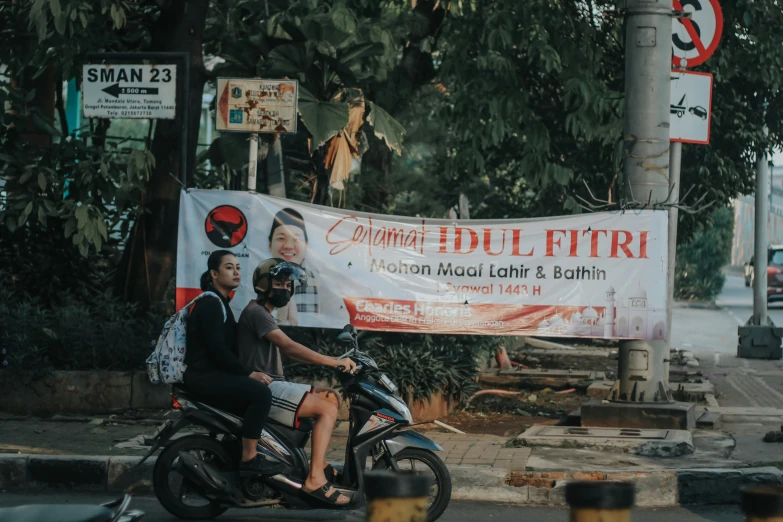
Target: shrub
x=700, y=262
x=77, y=334
x=421, y=365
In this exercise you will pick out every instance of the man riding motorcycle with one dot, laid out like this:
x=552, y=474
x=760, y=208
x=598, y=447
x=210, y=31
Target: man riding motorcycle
x=261, y=343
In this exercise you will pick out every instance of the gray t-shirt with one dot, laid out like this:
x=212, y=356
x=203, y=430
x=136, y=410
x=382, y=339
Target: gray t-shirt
x=255, y=351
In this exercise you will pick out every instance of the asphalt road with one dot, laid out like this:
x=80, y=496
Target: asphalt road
x=738, y=300
x=710, y=331
x=458, y=511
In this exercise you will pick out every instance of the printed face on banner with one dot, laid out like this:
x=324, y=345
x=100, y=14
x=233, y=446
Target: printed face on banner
x=289, y=243
x=597, y=275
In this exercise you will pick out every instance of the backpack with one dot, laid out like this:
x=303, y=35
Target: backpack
x=166, y=364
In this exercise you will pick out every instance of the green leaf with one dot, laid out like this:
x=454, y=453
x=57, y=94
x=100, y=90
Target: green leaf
x=70, y=226
x=324, y=120
x=54, y=5
x=41, y=215
x=562, y=175
x=386, y=128
x=28, y=209
x=43, y=125
x=102, y=229
x=81, y=213
x=288, y=60
x=42, y=180
x=10, y=224
x=362, y=50
x=88, y=231
x=26, y=177
x=49, y=333
x=60, y=23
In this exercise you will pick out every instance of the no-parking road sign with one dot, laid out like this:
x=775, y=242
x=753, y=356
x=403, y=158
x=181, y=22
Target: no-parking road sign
x=694, y=39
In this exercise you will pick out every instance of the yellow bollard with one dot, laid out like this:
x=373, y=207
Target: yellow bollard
x=763, y=504
x=600, y=501
x=394, y=497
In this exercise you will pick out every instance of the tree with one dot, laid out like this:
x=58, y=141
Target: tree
x=149, y=261
x=334, y=55
x=63, y=193
x=530, y=109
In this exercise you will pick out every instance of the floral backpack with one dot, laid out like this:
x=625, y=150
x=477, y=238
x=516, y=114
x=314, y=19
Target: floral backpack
x=166, y=365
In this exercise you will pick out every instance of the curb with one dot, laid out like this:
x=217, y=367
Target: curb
x=660, y=488
x=75, y=473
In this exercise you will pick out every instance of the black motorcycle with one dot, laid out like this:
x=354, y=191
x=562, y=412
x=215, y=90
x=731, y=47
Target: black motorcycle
x=197, y=477
x=116, y=511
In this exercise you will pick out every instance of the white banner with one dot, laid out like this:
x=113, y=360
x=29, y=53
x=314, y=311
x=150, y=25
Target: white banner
x=592, y=275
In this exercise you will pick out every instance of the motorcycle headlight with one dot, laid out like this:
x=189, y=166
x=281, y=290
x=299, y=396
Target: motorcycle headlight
x=402, y=408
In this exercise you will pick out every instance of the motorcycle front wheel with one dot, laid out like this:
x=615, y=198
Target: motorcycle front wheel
x=424, y=462
x=175, y=492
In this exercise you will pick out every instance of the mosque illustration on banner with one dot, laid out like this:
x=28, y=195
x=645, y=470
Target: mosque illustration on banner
x=620, y=318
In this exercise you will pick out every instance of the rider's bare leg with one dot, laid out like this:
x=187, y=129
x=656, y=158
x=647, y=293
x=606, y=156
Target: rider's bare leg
x=325, y=414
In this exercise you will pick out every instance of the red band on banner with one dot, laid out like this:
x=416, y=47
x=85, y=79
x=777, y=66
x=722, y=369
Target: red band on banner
x=480, y=319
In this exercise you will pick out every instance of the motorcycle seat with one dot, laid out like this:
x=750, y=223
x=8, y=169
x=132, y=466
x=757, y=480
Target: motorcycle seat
x=56, y=513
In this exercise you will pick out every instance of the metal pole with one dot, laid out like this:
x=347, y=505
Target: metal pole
x=675, y=161
x=275, y=170
x=253, y=164
x=641, y=367
x=183, y=162
x=760, y=241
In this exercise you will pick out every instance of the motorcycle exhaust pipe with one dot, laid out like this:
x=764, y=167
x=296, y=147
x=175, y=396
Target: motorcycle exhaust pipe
x=284, y=484
x=212, y=480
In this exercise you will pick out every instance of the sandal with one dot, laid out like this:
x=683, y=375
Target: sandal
x=322, y=494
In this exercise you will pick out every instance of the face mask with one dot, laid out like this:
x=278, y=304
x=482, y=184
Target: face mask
x=279, y=297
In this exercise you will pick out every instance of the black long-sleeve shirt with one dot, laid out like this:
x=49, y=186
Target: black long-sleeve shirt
x=211, y=342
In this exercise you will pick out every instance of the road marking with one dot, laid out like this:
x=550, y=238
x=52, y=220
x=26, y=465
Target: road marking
x=739, y=321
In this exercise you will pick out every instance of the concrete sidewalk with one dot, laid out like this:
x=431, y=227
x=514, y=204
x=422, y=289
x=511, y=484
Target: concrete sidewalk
x=482, y=466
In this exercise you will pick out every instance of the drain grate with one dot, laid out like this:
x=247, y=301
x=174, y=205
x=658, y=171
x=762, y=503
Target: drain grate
x=604, y=433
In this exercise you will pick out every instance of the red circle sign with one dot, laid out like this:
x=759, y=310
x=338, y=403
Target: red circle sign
x=226, y=226
x=695, y=39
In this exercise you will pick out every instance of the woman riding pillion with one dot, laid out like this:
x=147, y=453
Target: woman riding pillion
x=214, y=372
x=261, y=343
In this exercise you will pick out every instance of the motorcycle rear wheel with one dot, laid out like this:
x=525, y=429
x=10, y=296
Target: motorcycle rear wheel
x=439, y=501
x=173, y=501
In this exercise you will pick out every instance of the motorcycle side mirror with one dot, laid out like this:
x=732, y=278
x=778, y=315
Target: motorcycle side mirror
x=345, y=337
x=349, y=329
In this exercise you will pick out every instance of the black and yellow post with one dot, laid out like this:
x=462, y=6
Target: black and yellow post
x=763, y=504
x=392, y=497
x=600, y=501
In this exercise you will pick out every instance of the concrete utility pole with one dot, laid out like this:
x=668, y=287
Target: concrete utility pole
x=640, y=397
x=761, y=242
x=760, y=338
x=648, y=48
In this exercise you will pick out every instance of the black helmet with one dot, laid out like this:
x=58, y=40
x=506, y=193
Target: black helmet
x=279, y=269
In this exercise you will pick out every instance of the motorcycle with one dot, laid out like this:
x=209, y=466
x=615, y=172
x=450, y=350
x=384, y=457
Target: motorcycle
x=115, y=511
x=203, y=468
